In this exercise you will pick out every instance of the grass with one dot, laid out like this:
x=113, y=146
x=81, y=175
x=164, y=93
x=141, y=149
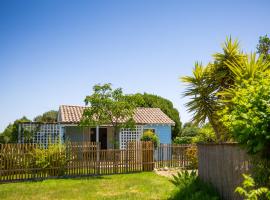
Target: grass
x=146, y=185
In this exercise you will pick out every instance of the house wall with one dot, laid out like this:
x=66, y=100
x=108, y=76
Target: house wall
x=74, y=133
x=110, y=140
x=77, y=134
x=164, y=132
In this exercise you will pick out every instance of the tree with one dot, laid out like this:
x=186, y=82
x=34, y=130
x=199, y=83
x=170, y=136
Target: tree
x=108, y=106
x=190, y=129
x=47, y=117
x=191, y=133
x=206, y=134
x=203, y=101
x=154, y=101
x=263, y=48
x=11, y=133
x=248, y=116
x=206, y=85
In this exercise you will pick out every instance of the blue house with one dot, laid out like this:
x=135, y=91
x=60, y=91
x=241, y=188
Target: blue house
x=69, y=117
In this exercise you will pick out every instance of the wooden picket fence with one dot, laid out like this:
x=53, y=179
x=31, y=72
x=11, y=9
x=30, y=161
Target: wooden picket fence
x=32, y=162
x=174, y=155
x=28, y=161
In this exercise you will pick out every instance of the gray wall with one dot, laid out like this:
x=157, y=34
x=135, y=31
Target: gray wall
x=223, y=166
x=77, y=134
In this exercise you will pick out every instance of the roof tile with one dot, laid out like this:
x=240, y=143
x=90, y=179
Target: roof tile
x=73, y=114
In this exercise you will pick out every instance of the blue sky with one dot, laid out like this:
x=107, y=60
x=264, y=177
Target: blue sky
x=53, y=52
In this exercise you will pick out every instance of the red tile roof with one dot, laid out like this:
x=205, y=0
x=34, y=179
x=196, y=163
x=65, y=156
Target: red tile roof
x=73, y=114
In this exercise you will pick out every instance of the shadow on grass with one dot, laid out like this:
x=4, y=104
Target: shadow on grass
x=68, y=177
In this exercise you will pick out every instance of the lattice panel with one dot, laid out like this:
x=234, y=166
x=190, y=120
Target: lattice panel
x=127, y=135
x=39, y=133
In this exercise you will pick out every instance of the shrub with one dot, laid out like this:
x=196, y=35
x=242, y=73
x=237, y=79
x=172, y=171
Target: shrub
x=184, y=178
x=192, y=156
x=52, y=160
x=261, y=171
x=205, y=135
x=190, y=187
x=248, y=116
x=249, y=192
x=183, y=140
x=150, y=136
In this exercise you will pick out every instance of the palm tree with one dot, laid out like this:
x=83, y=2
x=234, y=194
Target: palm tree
x=203, y=101
x=249, y=68
x=205, y=85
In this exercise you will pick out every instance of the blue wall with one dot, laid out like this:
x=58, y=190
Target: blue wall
x=163, y=132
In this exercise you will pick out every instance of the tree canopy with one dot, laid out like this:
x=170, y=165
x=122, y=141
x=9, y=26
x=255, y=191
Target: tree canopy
x=47, y=117
x=209, y=87
x=192, y=133
x=248, y=116
x=154, y=101
x=10, y=134
x=108, y=106
x=263, y=48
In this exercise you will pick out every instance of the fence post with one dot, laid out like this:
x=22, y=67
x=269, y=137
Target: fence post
x=147, y=156
x=126, y=157
x=98, y=158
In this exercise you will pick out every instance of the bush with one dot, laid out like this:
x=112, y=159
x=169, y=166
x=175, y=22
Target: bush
x=205, y=135
x=52, y=160
x=261, y=171
x=248, y=116
x=249, y=191
x=183, y=140
x=190, y=187
x=150, y=136
x=192, y=156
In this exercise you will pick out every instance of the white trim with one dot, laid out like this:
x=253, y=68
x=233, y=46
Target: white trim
x=127, y=135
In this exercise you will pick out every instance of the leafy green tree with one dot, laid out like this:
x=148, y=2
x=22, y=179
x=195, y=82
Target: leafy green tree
x=108, y=106
x=190, y=129
x=11, y=133
x=206, y=134
x=47, y=117
x=154, y=101
x=263, y=48
x=183, y=140
x=192, y=133
x=248, y=116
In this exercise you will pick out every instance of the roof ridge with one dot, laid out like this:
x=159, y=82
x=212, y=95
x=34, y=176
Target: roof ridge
x=87, y=106
x=72, y=106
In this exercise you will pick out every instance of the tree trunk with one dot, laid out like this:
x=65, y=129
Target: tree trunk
x=215, y=127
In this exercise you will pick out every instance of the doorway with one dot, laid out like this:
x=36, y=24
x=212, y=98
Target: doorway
x=102, y=137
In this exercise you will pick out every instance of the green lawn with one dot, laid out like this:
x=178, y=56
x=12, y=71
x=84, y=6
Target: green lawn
x=145, y=185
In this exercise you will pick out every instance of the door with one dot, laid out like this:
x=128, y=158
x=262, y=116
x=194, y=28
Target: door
x=102, y=137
